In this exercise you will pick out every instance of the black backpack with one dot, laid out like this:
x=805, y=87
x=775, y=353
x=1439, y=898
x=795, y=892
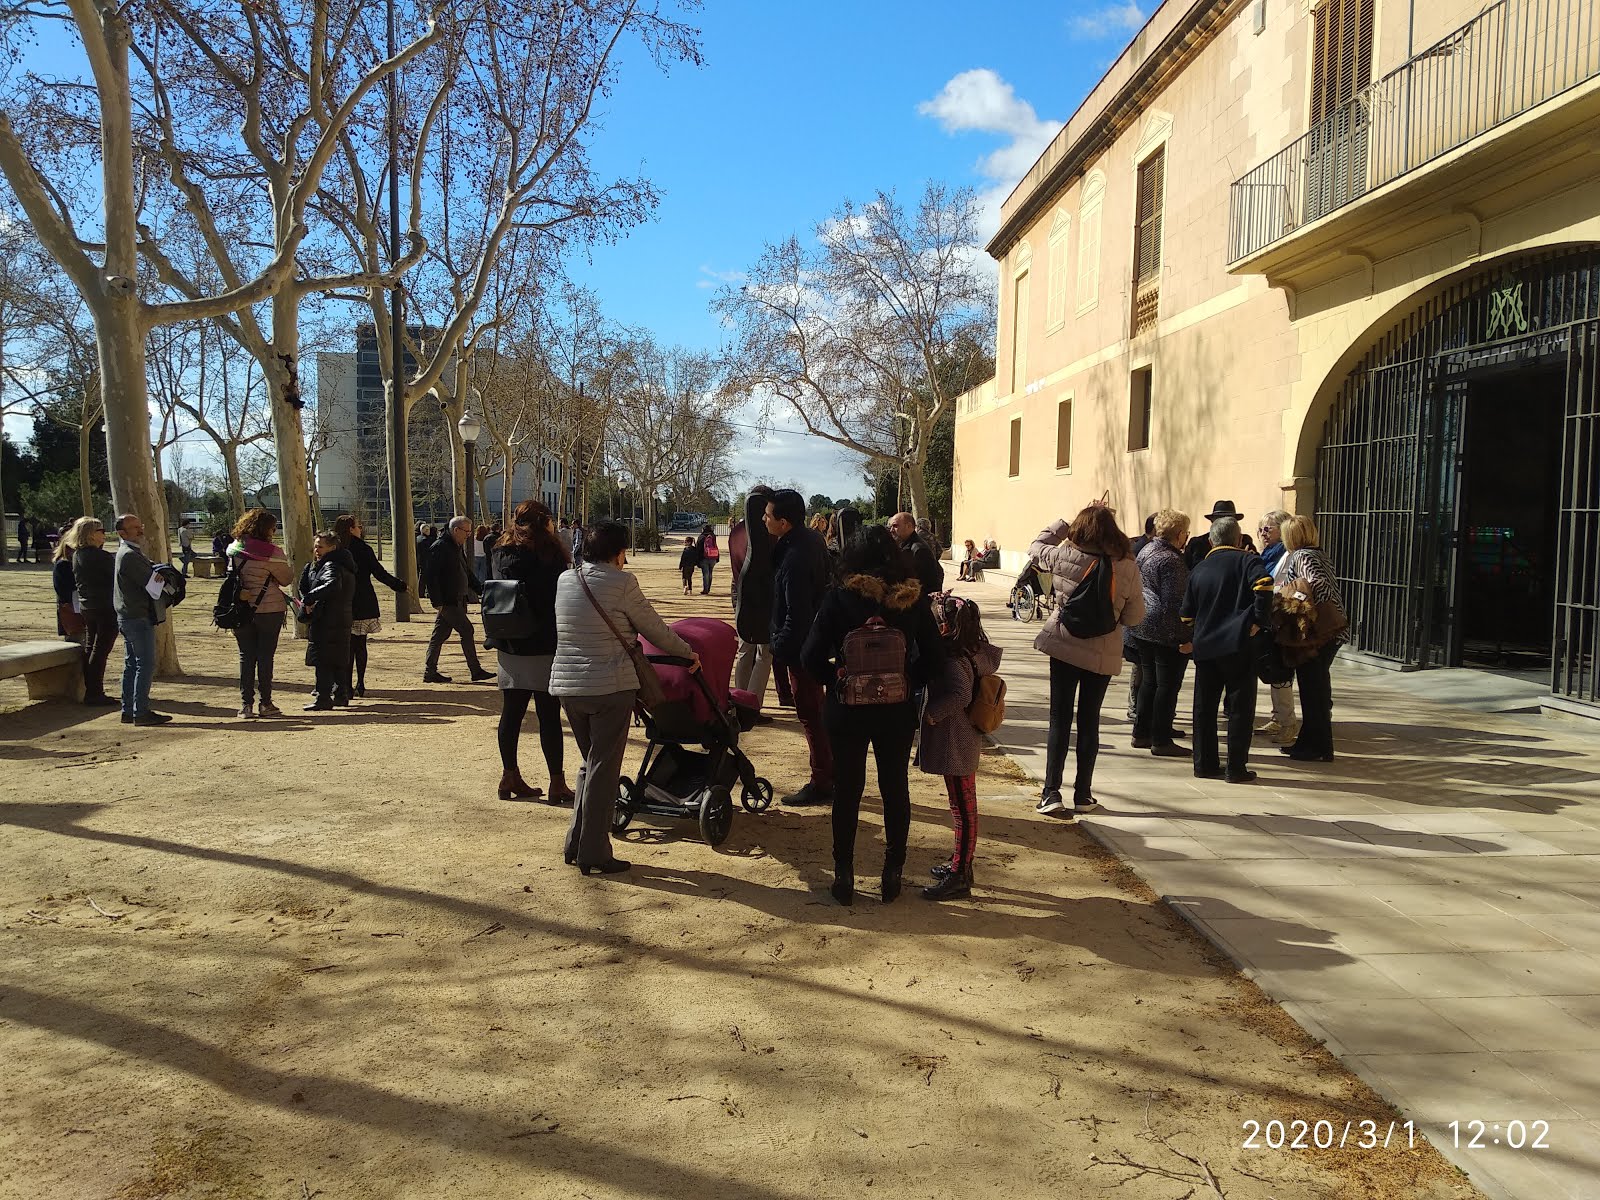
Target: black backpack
x=232, y=610
x=507, y=615
x=1090, y=611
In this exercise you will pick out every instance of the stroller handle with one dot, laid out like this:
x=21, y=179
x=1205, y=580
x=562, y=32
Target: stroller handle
x=669, y=660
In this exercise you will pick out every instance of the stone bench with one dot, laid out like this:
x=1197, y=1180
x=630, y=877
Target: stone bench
x=209, y=566
x=54, y=670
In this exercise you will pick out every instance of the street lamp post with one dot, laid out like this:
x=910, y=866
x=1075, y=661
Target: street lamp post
x=469, y=428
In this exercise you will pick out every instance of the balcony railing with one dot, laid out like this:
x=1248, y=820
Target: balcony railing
x=1512, y=57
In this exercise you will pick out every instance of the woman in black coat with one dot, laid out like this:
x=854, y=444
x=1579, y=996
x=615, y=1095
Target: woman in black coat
x=364, y=608
x=532, y=554
x=876, y=583
x=327, y=593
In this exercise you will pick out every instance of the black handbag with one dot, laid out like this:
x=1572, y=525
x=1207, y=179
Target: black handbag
x=507, y=615
x=1272, y=668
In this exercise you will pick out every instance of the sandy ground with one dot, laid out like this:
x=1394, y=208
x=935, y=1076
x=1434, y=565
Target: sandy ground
x=322, y=959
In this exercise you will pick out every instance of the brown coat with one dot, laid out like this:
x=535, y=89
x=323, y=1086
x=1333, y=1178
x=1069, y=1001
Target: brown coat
x=1067, y=563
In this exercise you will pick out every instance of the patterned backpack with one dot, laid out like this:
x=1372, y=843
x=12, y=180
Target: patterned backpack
x=873, y=665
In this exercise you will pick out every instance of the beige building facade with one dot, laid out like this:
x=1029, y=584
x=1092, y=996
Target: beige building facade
x=1339, y=257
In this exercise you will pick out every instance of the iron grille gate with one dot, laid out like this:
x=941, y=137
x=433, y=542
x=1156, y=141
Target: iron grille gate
x=1388, y=471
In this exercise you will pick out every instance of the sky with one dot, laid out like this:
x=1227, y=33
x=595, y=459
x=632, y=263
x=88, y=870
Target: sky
x=800, y=106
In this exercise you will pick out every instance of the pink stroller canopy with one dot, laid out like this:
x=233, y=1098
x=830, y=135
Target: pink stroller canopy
x=716, y=643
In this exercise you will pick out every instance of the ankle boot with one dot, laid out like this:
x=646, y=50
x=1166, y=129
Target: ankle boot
x=957, y=885
x=843, y=887
x=559, y=792
x=893, y=862
x=514, y=787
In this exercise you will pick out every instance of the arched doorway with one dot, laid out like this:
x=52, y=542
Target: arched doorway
x=1458, y=480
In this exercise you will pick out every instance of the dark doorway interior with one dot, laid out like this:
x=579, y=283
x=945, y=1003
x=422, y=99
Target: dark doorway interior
x=1509, y=506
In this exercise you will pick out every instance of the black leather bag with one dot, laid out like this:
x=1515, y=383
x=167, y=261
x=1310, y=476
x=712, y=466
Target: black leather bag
x=507, y=615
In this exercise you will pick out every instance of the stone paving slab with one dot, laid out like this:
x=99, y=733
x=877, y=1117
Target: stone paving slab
x=1428, y=904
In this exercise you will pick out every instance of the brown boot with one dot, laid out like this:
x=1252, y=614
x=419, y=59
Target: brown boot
x=559, y=792
x=514, y=787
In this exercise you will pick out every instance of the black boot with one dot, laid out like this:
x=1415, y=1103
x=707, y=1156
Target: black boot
x=957, y=885
x=893, y=862
x=843, y=887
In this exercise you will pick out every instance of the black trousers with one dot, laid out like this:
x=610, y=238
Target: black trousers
x=1161, y=672
x=1230, y=681
x=330, y=660
x=888, y=732
x=100, y=633
x=1316, y=702
x=258, y=647
x=1073, y=688
x=452, y=618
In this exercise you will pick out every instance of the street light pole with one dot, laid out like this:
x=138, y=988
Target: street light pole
x=469, y=428
x=399, y=469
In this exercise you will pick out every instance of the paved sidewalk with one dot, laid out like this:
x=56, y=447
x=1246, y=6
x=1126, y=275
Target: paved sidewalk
x=1428, y=904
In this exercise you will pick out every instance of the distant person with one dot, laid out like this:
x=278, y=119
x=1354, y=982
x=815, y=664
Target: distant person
x=69, y=621
x=94, y=575
x=966, y=571
x=186, y=554
x=709, y=554
x=366, y=616
x=138, y=614
x=480, y=553
x=1130, y=652
x=1282, y=726
x=451, y=586
x=1306, y=562
x=598, y=605
x=1200, y=544
x=750, y=556
x=264, y=571
x=1081, y=667
x=1161, y=640
x=534, y=556
x=1228, y=601
x=924, y=557
x=41, y=541
x=219, y=544
x=688, y=560
x=990, y=559
x=801, y=574
x=426, y=537
x=929, y=538
x=327, y=594
x=492, y=539
x=24, y=538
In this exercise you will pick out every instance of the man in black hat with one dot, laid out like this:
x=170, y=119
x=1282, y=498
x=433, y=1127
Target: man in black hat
x=1200, y=544
x=1227, y=602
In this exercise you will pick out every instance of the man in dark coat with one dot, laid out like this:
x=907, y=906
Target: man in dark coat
x=750, y=556
x=923, y=561
x=451, y=585
x=327, y=592
x=801, y=571
x=1227, y=602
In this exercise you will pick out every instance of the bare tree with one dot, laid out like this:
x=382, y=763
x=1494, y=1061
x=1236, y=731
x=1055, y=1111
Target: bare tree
x=871, y=334
x=667, y=415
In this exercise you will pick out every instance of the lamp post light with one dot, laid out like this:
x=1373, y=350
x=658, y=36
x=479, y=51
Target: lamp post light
x=469, y=428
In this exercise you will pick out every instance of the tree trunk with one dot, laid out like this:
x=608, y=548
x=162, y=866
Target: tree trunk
x=403, y=520
x=85, y=489
x=282, y=370
x=912, y=469
x=230, y=464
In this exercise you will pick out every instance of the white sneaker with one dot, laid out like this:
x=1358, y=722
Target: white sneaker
x=246, y=712
x=1286, y=734
x=1271, y=729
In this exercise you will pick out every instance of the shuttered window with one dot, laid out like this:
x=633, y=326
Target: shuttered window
x=1341, y=55
x=1089, y=255
x=1056, y=304
x=1015, y=467
x=1019, y=333
x=1149, y=203
x=1064, y=434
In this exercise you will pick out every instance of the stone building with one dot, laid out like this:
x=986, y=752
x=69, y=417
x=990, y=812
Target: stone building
x=1340, y=257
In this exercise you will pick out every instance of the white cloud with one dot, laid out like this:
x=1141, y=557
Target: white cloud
x=981, y=101
x=710, y=277
x=1111, y=20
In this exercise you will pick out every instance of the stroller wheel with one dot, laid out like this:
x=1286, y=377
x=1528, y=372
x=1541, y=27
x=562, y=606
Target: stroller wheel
x=757, y=797
x=623, y=812
x=716, y=815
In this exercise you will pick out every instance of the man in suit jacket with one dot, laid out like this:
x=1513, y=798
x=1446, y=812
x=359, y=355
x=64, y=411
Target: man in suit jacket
x=1227, y=602
x=451, y=585
x=138, y=614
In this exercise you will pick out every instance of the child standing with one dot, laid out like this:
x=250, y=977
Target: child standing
x=687, y=562
x=951, y=743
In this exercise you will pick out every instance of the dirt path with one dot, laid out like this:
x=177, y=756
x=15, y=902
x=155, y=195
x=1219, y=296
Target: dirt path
x=326, y=960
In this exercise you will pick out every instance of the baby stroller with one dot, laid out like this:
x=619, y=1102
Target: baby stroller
x=1033, y=594
x=692, y=759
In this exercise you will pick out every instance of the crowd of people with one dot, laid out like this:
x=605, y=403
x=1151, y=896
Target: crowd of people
x=851, y=622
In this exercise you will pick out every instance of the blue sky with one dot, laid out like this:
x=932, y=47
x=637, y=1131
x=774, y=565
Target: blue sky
x=802, y=105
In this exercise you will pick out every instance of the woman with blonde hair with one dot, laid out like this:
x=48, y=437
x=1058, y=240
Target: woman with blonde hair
x=1304, y=560
x=264, y=572
x=1081, y=667
x=69, y=624
x=94, y=573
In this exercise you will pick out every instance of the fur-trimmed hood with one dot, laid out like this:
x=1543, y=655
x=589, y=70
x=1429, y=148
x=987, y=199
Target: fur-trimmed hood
x=895, y=597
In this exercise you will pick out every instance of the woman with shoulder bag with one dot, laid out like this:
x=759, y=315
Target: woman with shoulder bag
x=69, y=621
x=1081, y=667
x=878, y=585
x=366, y=619
x=534, y=557
x=600, y=614
x=1308, y=567
x=264, y=572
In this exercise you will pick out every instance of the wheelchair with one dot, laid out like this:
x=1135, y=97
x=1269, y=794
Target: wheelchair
x=1033, y=595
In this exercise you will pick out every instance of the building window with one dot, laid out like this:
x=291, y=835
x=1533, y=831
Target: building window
x=1056, y=304
x=1341, y=55
x=1064, y=435
x=1089, y=241
x=1016, y=448
x=1147, y=241
x=1140, y=393
x=1019, y=332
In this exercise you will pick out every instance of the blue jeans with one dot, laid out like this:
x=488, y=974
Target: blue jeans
x=706, y=567
x=139, y=667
